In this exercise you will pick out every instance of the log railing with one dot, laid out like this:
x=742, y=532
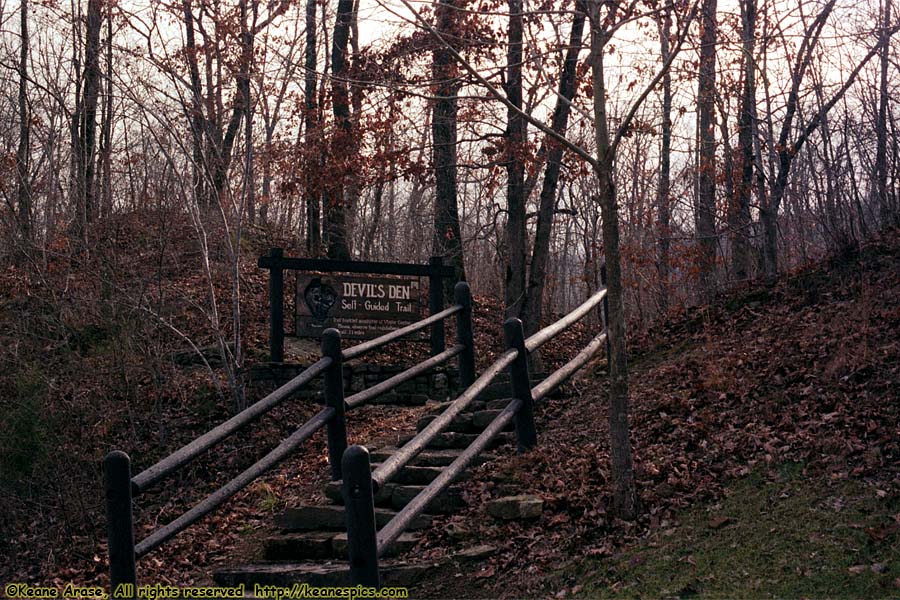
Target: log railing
x=121, y=488
x=365, y=544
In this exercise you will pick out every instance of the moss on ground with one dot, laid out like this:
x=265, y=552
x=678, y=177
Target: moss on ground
x=778, y=534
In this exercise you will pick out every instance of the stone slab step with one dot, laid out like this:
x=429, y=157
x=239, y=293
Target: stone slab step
x=313, y=545
x=483, y=418
x=453, y=439
x=498, y=403
x=393, y=574
x=501, y=388
x=418, y=475
x=428, y=458
x=464, y=440
x=448, y=502
x=400, y=495
x=403, y=544
x=319, y=545
x=401, y=399
x=439, y=408
x=462, y=423
x=331, y=517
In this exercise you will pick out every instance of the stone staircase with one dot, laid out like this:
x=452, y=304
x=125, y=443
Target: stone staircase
x=308, y=544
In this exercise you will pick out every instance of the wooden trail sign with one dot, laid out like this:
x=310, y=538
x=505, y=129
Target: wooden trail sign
x=324, y=298
x=360, y=306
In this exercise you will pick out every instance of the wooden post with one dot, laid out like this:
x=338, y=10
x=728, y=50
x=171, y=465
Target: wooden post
x=276, y=306
x=462, y=295
x=436, y=302
x=334, y=397
x=119, y=525
x=526, y=436
x=362, y=540
x=604, y=312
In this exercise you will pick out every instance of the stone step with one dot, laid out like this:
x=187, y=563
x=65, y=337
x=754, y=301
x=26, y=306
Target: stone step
x=483, y=418
x=403, y=544
x=448, y=502
x=401, y=399
x=418, y=475
x=498, y=404
x=396, y=496
x=441, y=407
x=461, y=423
x=320, y=545
x=453, y=439
x=331, y=517
x=314, y=545
x=501, y=387
x=428, y=458
x=331, y=574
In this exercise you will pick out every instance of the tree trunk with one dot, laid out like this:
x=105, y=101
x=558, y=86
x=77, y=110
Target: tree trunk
x=87, y=136
x=342, y=139
x=447, y=241
x=665, y=152
x=195, y=116
x=705, y=215
x=243, y=84
x=739, y=210
x=312, y=136
x=106, y=127
x=516, y=236
x=267, y=177
x=23, y=152
x=881, y=173
x=534, y=295
x=625, y=500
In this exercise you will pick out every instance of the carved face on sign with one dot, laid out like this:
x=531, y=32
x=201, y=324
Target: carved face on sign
x=319, y=297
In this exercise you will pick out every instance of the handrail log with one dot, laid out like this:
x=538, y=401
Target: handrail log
x=184, y=455
x=360, y=349
x=217, y=498
x=555, y=379
x=390, y=467
x=396, y=526
x=376, y=390
x=550, y=331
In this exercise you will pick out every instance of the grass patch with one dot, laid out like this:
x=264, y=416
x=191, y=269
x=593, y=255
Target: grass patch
x=23, y=428
x=778, y=534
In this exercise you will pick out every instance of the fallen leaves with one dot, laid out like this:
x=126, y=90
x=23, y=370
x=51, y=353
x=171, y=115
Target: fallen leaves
x=714, y=396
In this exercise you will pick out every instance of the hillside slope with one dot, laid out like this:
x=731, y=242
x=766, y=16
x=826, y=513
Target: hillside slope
x=805, y=372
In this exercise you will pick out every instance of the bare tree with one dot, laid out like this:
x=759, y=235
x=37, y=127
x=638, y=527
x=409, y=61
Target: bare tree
x=23, y=152
x=516, y=138
x=705, y=213
x=537, y=275
x=739, y=206
x=881, y=167
x=788, y=147
x=311, y=125
x=86, y=141
x=342, y=142
x=663, y=200
x=447, y=241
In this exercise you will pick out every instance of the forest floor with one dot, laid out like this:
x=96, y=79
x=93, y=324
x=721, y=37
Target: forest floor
x=765, y=433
